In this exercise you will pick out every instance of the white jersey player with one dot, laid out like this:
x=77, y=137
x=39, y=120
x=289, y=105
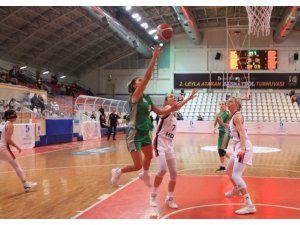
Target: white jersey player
x=6, y=132
x=242, y=155
x=164, y=150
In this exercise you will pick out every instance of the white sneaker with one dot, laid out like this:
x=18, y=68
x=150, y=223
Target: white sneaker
x=145, y=178
x=29, y=185
x=247, y=209
x=233, y=192
x=115, y=176
x=171, y=203
x=153, y=201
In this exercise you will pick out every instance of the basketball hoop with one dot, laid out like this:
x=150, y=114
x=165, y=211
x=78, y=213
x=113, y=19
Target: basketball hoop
x=259, y=19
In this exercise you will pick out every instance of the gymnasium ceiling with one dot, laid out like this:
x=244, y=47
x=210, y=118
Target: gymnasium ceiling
x=71, y=41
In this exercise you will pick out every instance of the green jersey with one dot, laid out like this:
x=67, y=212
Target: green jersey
x=225, y=117
x=139, y=116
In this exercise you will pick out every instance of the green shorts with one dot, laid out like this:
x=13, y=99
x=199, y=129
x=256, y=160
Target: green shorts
x=136, y=139
x=223, y=140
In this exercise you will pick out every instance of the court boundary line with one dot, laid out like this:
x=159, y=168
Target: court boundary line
x=101, y=200
x=250, y=167
x=179, y=171
x=225, y=204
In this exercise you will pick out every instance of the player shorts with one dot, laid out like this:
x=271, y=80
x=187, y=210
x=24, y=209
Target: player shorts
x=248, y=154
x=163, y=147
x=136, y=139
x=223, y=140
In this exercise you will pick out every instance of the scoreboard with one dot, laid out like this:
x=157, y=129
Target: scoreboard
x=253, y=60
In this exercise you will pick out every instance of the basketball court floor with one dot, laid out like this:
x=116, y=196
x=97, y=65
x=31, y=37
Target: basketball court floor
x=74, y=181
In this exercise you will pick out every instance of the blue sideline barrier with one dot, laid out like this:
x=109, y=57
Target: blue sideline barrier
x=57, y=131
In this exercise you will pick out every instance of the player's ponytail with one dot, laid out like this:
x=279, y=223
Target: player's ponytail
x=130, y=86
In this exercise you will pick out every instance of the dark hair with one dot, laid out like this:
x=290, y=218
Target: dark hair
x=101, y=110
x=10, y=114
x=131, y=89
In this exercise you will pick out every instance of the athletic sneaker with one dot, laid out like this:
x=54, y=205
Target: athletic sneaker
x=171, y=203
x=247, y=209
x=145, y=178
x=29, y=185
x=233, y=192
x=221, y=168
x=115, y=176
x=153, y=201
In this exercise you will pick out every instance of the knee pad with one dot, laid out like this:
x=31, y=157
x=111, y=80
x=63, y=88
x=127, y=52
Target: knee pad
x=221, y=152
x=240, y=183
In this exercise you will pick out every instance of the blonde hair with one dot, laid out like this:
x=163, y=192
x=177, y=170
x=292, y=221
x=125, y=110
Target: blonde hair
x=238, y=101
x=166, y=98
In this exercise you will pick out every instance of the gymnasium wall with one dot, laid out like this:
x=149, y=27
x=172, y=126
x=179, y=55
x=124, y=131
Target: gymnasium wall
x=8, y=91
x=185, y=57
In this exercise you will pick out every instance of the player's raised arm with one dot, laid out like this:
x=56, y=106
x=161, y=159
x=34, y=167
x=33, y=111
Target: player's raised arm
x=140, y=88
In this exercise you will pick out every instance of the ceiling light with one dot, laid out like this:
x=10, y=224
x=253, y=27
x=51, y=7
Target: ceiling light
x=23, y=67
x=161, y=44
x=46, y=72
x=155, y=37
x=135, y=15
x=144, y=24
x=152, y=31
x=128, y=8
x=62, y=77
x=138, y=19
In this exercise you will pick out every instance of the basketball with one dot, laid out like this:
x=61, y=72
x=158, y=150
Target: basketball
x=164, y=32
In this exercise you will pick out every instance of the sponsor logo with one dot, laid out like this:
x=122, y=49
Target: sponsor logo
x=191, y=124
x=27, y=137
x=27, y=128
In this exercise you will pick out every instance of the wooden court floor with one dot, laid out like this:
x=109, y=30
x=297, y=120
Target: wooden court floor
x=73, y=176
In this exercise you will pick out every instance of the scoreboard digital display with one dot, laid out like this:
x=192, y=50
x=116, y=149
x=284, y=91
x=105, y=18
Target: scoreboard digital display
x=253, y=60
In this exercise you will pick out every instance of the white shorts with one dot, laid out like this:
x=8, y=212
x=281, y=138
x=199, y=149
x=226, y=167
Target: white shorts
x=236, y=148
x=164, y=147
x=6, y=155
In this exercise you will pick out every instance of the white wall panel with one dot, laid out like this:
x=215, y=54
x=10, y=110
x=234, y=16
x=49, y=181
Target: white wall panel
x=185, y=61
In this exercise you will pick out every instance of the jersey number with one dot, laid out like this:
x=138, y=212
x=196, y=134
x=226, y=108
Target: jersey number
x=174, y=126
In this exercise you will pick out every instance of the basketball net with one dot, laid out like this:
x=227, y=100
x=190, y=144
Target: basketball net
x=259, y=19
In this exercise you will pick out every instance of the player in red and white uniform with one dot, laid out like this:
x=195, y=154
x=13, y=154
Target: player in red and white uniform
x=164, y=150
x=6, y=131
x=242, y=156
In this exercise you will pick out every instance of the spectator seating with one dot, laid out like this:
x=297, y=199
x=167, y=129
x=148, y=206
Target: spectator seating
x=263, y=106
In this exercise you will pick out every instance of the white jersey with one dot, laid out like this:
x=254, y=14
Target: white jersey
x=237, y=143
x=163, y=140
x=3, y=142
x=234, y=132
x=167, y=126
x=5, y=152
